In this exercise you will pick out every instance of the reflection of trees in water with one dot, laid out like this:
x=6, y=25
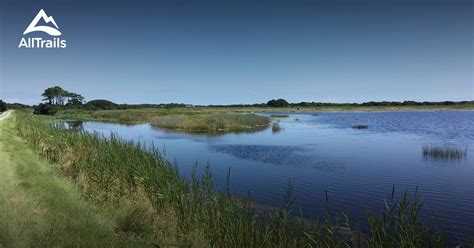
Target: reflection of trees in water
x=73, y=125
x=76, y=125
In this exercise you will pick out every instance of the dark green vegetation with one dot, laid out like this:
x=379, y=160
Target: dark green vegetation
x=217, y=122
x=360, y=126
x=159, y=208
x=279, y=116
x=279, y=103
x=3, y=106
x=445, y=152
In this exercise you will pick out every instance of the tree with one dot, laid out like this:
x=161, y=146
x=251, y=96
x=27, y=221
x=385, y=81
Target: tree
x=279, y=103
x=74, y=99
x=3, y=106
x=58, y=96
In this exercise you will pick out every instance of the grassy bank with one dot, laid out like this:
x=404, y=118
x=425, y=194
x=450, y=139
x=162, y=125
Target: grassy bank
x=40, y=208
x=161, y=208
x=143, y=115
x=217, y=122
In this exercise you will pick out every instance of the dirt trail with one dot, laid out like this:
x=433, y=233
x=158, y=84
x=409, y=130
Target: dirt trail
x=5, y=115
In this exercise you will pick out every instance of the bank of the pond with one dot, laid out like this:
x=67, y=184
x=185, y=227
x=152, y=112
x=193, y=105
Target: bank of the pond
x=40, y=208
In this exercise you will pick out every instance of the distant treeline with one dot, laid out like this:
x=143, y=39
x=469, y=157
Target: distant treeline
x=281, y=103
x=56, y=99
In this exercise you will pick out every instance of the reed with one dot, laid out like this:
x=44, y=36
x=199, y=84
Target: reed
x=279, y=116
x=276, y=127
x=443, y=152
x=158, y=203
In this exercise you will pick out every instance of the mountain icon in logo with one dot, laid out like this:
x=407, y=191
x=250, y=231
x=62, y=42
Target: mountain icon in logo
x=47, y=29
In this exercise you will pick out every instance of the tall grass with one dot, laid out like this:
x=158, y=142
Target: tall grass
x=444, y=152
x=178, y=212
x=279, y=116
x=212, y=122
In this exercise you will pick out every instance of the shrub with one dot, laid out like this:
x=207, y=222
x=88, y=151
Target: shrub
x=3, y=106
x=46, y=109
x=279, y=103
x=101, y=104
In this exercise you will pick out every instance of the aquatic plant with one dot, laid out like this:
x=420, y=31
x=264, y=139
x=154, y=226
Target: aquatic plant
x=276, y=127
x=359, y=126
x=443, y=152
x=279, y=116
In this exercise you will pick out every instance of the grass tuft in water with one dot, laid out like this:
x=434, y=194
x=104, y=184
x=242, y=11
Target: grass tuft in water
x=443, y=152
x=360, y=126
x=279, y=116
x=276, y=127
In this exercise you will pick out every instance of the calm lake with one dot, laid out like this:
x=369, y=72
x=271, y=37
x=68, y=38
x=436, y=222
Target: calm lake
x=321, y=152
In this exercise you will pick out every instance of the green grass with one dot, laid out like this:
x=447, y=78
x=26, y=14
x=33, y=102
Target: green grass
x=218, y=122
x=157, y=204
x=444, y=152
x=279, y=116
x=39, y=208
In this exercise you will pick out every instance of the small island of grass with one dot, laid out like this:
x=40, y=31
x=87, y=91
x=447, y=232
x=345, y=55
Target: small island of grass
x=279, y=116
x=360, y=126
x=218, y=122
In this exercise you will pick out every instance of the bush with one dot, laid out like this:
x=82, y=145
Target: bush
x=280, y=103
x=3, y=106
x=101, y=104
x=46, y=109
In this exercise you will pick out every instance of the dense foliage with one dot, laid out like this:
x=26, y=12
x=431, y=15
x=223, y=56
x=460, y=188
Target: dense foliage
x=101, y=104
x=3, y=106
x=58, y=96
x=279, y=103
x=46, y=109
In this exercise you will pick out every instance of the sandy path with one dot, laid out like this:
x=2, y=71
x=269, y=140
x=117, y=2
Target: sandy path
x=5, y=115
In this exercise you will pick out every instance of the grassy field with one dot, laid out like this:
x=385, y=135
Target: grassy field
x=134, y=196
x=213, y=123
x=144, y=115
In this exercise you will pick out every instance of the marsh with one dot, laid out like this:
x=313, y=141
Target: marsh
x=320, y=153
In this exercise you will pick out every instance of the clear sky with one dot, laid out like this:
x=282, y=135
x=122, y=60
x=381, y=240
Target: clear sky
x=222, y=52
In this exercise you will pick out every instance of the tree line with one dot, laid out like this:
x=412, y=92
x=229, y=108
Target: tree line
x=56, y=98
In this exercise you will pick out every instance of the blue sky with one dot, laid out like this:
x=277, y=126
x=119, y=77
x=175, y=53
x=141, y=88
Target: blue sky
x=223, y=52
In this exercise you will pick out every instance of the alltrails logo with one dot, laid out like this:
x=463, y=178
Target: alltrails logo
x=38, y=42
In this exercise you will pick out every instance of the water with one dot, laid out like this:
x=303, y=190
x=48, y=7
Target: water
x=321, y=153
